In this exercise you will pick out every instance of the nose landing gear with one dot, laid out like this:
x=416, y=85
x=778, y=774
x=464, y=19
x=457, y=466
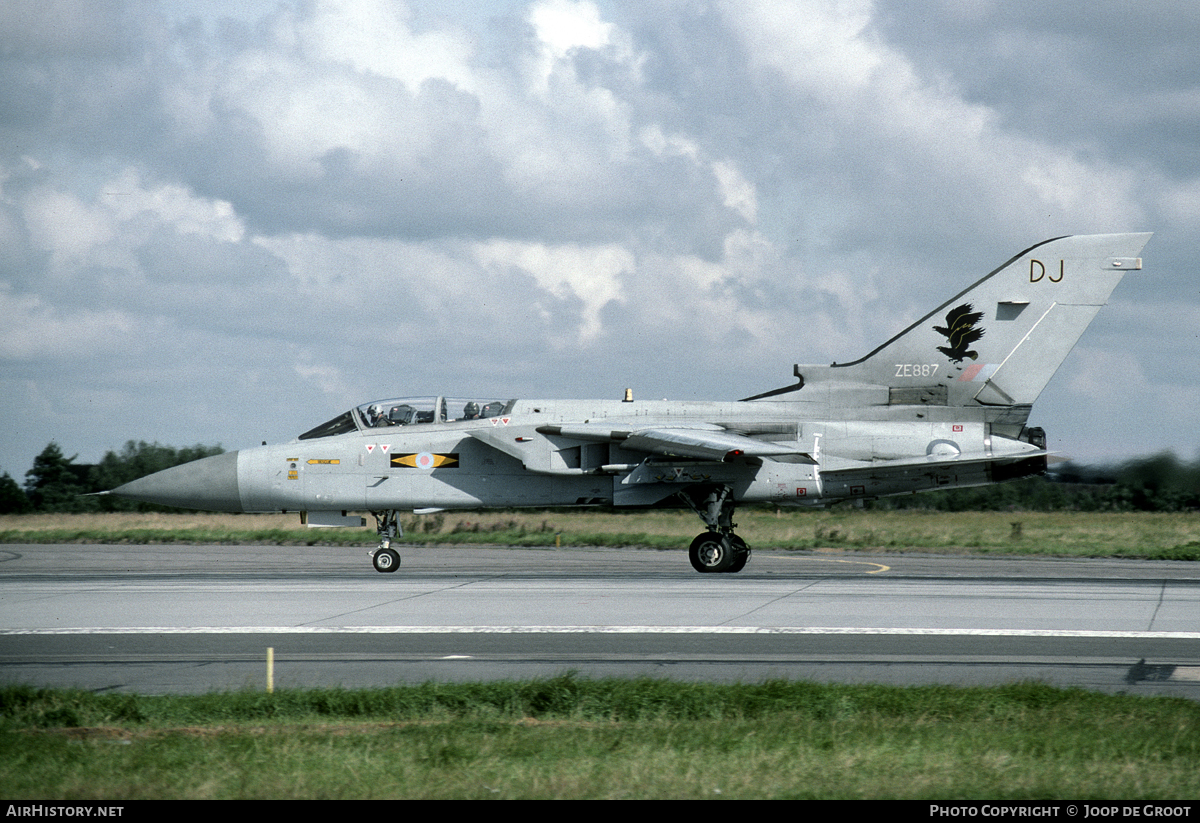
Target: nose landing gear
x=718, y=549
x=387, y=526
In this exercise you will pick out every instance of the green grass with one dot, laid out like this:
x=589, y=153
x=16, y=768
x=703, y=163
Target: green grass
x=570, y=737
x=1170, y=536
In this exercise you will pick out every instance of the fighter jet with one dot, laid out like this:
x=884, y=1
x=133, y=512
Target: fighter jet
x=943, y=404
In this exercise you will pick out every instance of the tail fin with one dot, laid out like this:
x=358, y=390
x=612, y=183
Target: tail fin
x=999, y=342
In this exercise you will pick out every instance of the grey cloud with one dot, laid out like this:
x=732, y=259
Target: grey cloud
x=65, y=28
x=435, y=163
x=1118, y=79
x=311, y=225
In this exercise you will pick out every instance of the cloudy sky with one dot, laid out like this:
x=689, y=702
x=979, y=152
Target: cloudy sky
x=226, y=223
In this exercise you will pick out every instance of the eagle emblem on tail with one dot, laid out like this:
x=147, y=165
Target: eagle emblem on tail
x=960, y=332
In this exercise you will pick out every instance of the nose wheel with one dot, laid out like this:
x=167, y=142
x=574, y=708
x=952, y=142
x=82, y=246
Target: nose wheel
x=386, y=560
x=713, y=552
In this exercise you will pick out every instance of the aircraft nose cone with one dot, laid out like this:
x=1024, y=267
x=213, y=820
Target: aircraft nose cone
x=210, y=484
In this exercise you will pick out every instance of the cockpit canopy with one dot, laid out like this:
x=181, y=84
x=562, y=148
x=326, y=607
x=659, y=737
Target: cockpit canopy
x=410, y=411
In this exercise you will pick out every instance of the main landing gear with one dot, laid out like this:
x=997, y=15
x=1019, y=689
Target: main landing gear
x=387, y=526
x=714, y=551
x=718, y=549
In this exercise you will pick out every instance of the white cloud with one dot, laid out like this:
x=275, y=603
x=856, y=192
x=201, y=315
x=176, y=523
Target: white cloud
x=822, y=46
x=562, y=26
x=106, y=229
x=376, y=36
x=327, y=379
x=37, y=330
x=128, y=198
x=736, y=191
x=591, y=274
x=61, y=223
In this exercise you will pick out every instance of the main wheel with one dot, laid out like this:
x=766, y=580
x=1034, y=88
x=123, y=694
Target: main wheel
x=741, y=554
x=386, y=560
x=711, y=552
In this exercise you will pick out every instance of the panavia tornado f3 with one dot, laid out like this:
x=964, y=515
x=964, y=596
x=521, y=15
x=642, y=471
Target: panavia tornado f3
x=943, y=404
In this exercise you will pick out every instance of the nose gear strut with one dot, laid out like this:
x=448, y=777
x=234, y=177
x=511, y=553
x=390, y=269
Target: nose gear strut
x=718, y=549
x=387, y=526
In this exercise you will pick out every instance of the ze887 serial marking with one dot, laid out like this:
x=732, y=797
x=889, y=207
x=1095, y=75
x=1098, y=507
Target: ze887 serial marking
x=916, y=369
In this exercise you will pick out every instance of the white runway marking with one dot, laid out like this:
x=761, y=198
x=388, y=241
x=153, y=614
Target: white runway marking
x=603, y=630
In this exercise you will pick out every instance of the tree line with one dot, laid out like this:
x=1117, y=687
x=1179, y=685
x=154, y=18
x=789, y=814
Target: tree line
x=1158, y=483
x=56, y=483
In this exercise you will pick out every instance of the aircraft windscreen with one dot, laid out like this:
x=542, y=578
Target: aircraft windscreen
x=339, y=425
x=404, y=411
x=409, y=411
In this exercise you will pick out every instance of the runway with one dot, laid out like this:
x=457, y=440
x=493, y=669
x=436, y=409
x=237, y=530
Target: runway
x=190, y=619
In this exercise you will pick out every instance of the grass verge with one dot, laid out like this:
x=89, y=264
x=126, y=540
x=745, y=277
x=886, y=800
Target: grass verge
x=571, y=737
x=1174, y=536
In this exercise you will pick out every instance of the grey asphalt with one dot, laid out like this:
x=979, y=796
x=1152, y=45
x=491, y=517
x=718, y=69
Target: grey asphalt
x=187, y=619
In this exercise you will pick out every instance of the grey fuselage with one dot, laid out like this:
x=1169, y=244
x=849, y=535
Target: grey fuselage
x=527, y=457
